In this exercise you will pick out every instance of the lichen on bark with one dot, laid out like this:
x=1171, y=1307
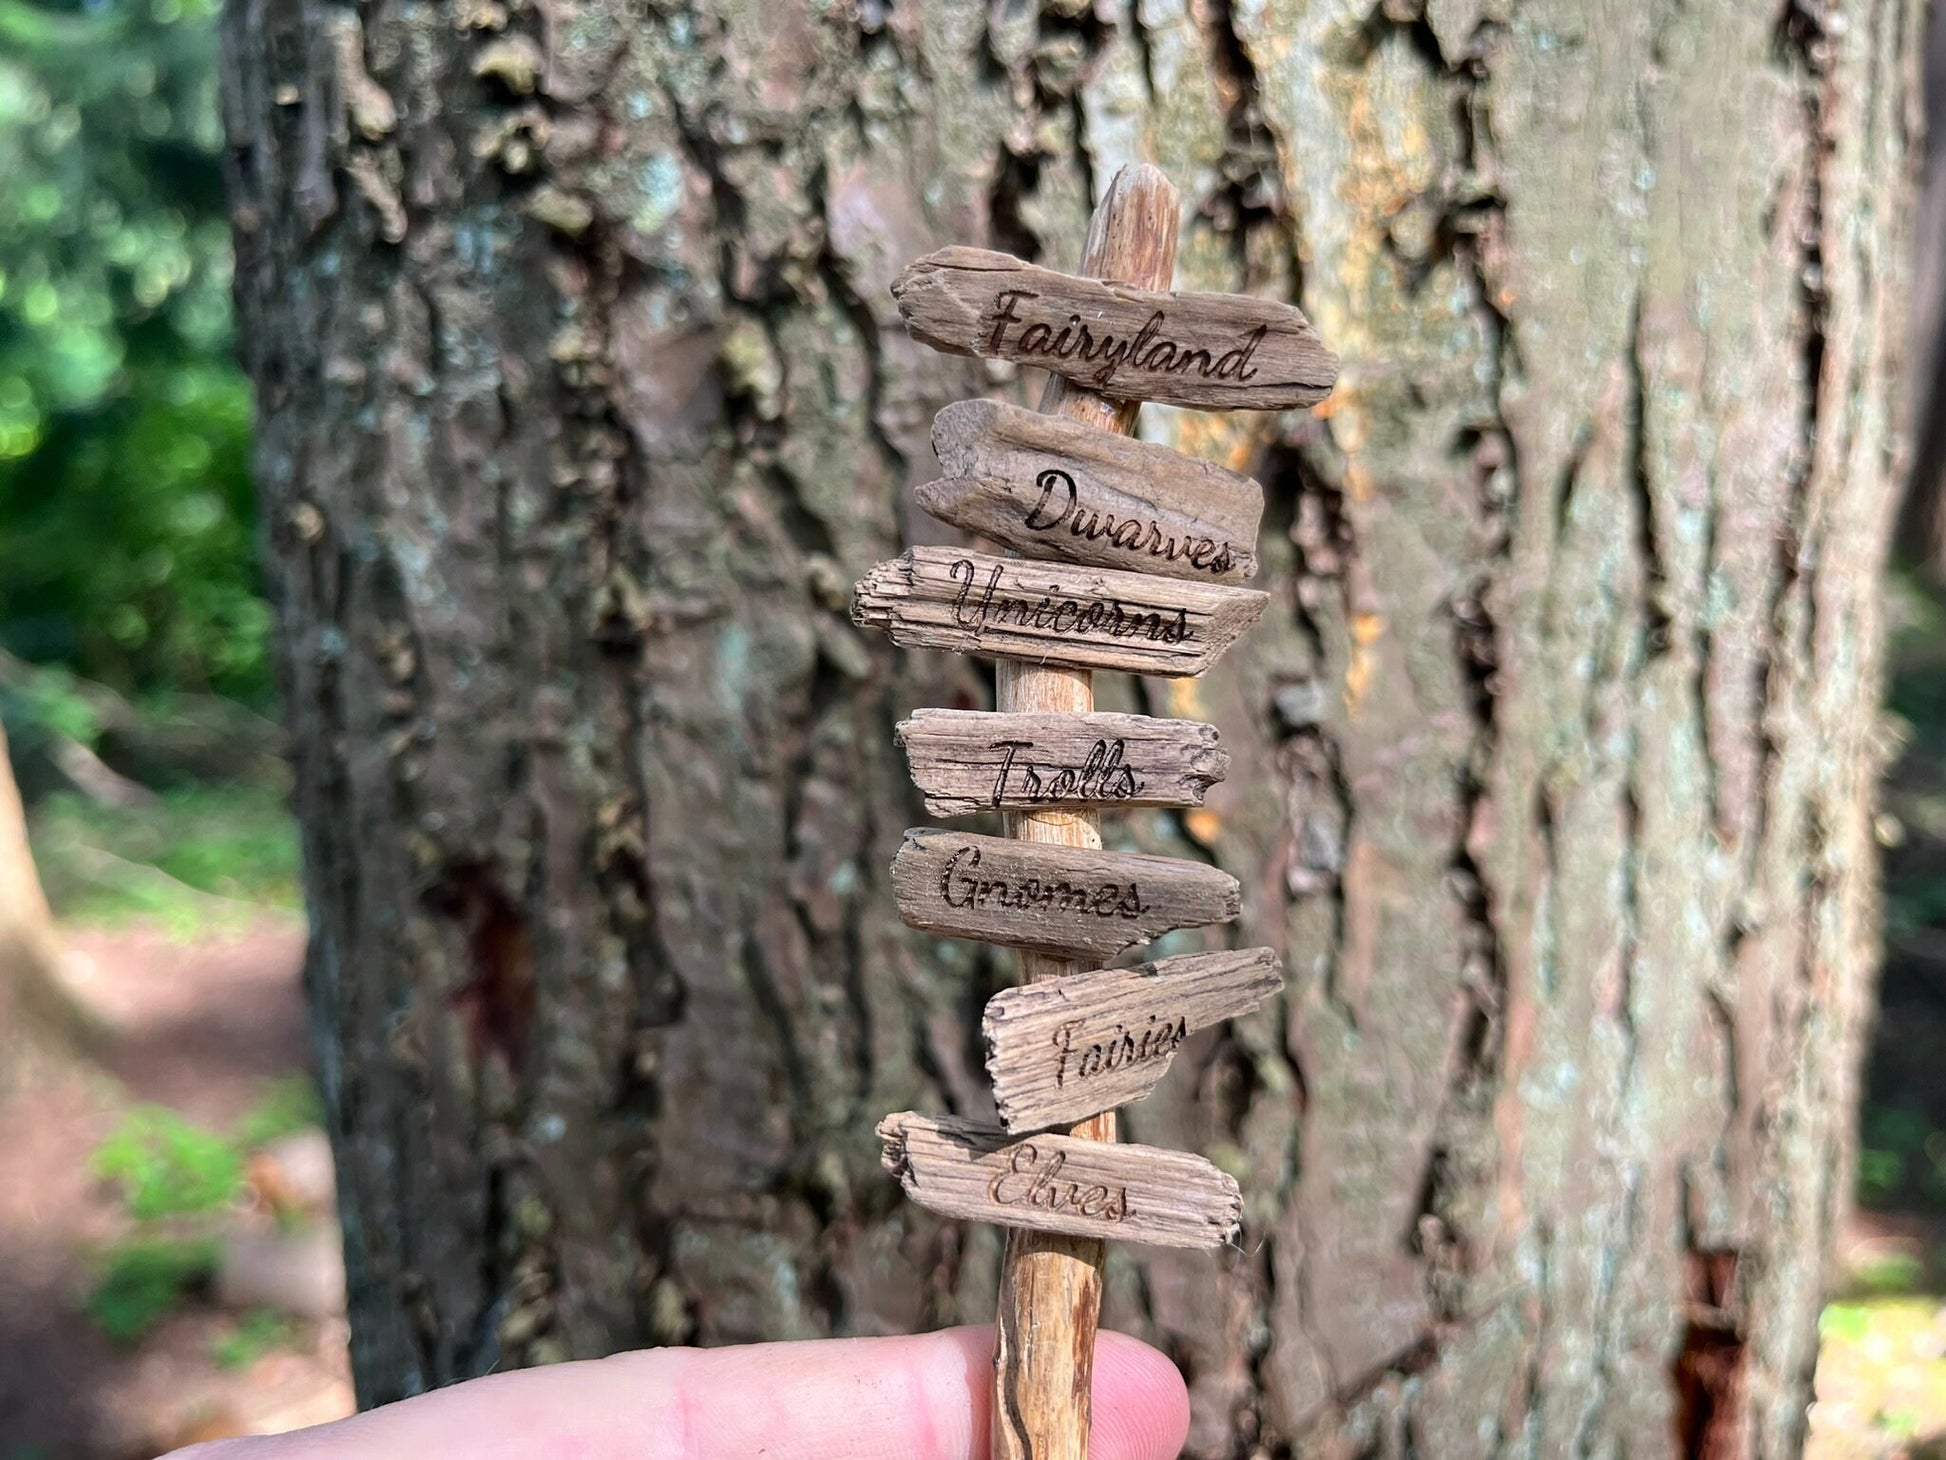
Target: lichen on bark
x=583, y=403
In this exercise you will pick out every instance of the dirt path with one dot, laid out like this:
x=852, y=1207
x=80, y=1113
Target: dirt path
x=200, y=1027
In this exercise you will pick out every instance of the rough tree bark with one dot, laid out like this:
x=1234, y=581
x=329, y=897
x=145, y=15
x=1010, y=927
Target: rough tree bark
x=584, y=402
x=1921, y=537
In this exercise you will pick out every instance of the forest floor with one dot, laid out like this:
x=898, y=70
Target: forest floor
x=165, y=1230
x=118, y=1341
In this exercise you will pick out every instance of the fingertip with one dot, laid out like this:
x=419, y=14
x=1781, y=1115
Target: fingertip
x=1141, y=1405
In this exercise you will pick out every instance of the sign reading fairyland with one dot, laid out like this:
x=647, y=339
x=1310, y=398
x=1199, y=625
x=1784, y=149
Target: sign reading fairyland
x=1214, y=352
x=1115, y=554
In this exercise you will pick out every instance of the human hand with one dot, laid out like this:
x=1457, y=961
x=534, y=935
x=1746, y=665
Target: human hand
x=922, y=1398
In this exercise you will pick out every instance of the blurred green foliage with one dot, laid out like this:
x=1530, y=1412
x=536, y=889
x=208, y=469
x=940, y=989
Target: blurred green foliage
x=124, y=423
x=1901, y=1159
x=258, y=1332
x=195, y=859
x=288, y=1105
x=164, y=1164
x=169, y=1171
x=141, y=1282
x=50, y=700
x=167, y=1165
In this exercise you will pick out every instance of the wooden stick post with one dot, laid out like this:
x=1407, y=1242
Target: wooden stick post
x=1050, y=1285
x=1130, y=558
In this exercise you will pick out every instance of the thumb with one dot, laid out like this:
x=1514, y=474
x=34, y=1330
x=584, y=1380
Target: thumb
x=921, y=1398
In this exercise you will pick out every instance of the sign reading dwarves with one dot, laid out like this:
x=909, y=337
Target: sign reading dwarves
x=1053, y=488
x=1121, y=555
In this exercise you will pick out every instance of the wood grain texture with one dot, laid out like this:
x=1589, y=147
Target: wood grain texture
x=1050, y=487
x=1056, y=1183
x=1046, y=613
x=1073, y=900
x=1223, y=352
x=1066, y=1048
x=965, y=761
x=1050, y=1283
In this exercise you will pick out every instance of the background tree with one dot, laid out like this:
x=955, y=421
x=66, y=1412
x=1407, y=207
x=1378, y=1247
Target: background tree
x=1922, y=530
x=584, y=402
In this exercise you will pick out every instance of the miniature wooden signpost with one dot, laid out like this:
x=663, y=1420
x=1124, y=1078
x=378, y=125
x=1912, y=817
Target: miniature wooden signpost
x=1130, y=557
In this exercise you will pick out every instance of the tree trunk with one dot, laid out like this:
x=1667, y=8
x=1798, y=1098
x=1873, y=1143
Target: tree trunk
x=39, y=1016
x=1922, y=526
x=584, y=402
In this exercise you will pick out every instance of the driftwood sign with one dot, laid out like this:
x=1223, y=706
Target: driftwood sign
x=1050, y=487
x=1062, y=899
x=1053, y=1183
x=965, y=761
x=1067, y=1048
x=1130, y=557
x=1049, y=613
x=1211, y=351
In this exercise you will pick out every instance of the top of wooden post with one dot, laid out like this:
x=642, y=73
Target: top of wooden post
x=1115, y=336
x=1131, y=240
